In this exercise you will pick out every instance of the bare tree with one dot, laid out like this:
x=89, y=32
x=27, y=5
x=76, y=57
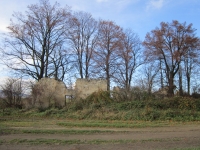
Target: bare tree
x=13, y=91
x=33, y=38
x=129, y=58
x=150, y=72
x=82, y=39
x=105, y=55
x=170, y=43
x=62, y=64
x=190, y=62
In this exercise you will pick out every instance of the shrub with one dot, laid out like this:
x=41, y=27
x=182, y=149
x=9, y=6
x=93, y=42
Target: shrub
x=198, y=104
x=135, y=93
x=187, y=103
x=170, y=114
x=150, y=114
x=2, y=104
x=12, y=91
x=99, y=97
x=76, y=105
x=130, y=105
x=182, y=103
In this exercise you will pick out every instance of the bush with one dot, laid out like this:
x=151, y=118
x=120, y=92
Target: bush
x=183, y=103
x=2, y=104
x=12, y=91
x=150, y=114
x=198, y=104
x=130, y=105
x=135, y=93
x=170, y=114
x=187, y=103
x=99, y=97
x=75, y=105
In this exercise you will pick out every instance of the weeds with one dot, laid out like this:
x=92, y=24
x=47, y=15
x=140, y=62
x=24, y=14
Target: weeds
x=75, y=141
x=100, y=106
x=114, y=124
x=197, y=148
x=69, y=142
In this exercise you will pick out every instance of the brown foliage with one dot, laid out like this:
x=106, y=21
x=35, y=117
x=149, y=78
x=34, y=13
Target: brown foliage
x=170, y=43
x=34, y=37
x=82, y=39
x=129, y=58
x=109, y=35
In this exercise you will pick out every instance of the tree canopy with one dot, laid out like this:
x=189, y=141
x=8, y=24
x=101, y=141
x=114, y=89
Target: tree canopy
x=169, y=44
x=53, y=41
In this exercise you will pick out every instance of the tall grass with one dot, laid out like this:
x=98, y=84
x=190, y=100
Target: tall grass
x=75, y=141
x=100, y=106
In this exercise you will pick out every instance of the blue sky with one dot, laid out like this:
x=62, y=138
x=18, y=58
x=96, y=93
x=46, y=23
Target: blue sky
x=142, y=16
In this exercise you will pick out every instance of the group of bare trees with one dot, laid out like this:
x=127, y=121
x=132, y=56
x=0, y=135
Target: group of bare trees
x=173, y=46
x=35, y=44
x=51, y=41
x=12, y=92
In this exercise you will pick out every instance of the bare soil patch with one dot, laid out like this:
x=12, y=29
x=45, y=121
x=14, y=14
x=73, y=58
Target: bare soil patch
x=186, y=136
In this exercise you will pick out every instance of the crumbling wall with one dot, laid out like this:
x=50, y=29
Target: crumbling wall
x=85, y=87
x=49, y=92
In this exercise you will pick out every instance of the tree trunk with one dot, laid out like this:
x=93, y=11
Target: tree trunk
x=161, y=76
x=188, y=84
x=87, y=69
x=108, y=84
x=81, y=68
x=171, y=85
x=180, y=83
x=108, y=77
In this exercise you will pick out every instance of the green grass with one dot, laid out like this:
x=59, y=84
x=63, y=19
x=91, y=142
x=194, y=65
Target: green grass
x=99, y=107
x=43, y=131
x=101, y=115
x=50, y=123
x=95, y=142
x=115, y=124
x=197, y=148
x=41, y=141
x=75, y=141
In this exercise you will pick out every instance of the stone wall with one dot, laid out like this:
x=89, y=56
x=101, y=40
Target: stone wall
x=85, y=87
x=49, y=92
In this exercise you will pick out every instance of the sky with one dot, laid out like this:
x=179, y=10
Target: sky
x=141, y=16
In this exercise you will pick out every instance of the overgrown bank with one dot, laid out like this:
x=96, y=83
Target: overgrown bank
x=99, y=106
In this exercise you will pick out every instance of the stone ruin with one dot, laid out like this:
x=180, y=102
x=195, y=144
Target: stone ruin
x=85, y=87
x=50, y=92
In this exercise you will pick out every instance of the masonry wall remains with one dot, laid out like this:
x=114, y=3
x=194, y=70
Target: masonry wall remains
x=49, y=92
x=85, y=87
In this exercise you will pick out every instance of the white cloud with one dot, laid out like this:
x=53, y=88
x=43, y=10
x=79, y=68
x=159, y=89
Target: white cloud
x=155, y=4
x=3, y=27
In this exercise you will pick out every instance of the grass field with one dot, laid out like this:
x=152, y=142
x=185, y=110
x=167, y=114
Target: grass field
x=172, y=124
x=46, y=131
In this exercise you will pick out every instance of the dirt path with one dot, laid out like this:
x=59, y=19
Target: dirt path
x=140, y=139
